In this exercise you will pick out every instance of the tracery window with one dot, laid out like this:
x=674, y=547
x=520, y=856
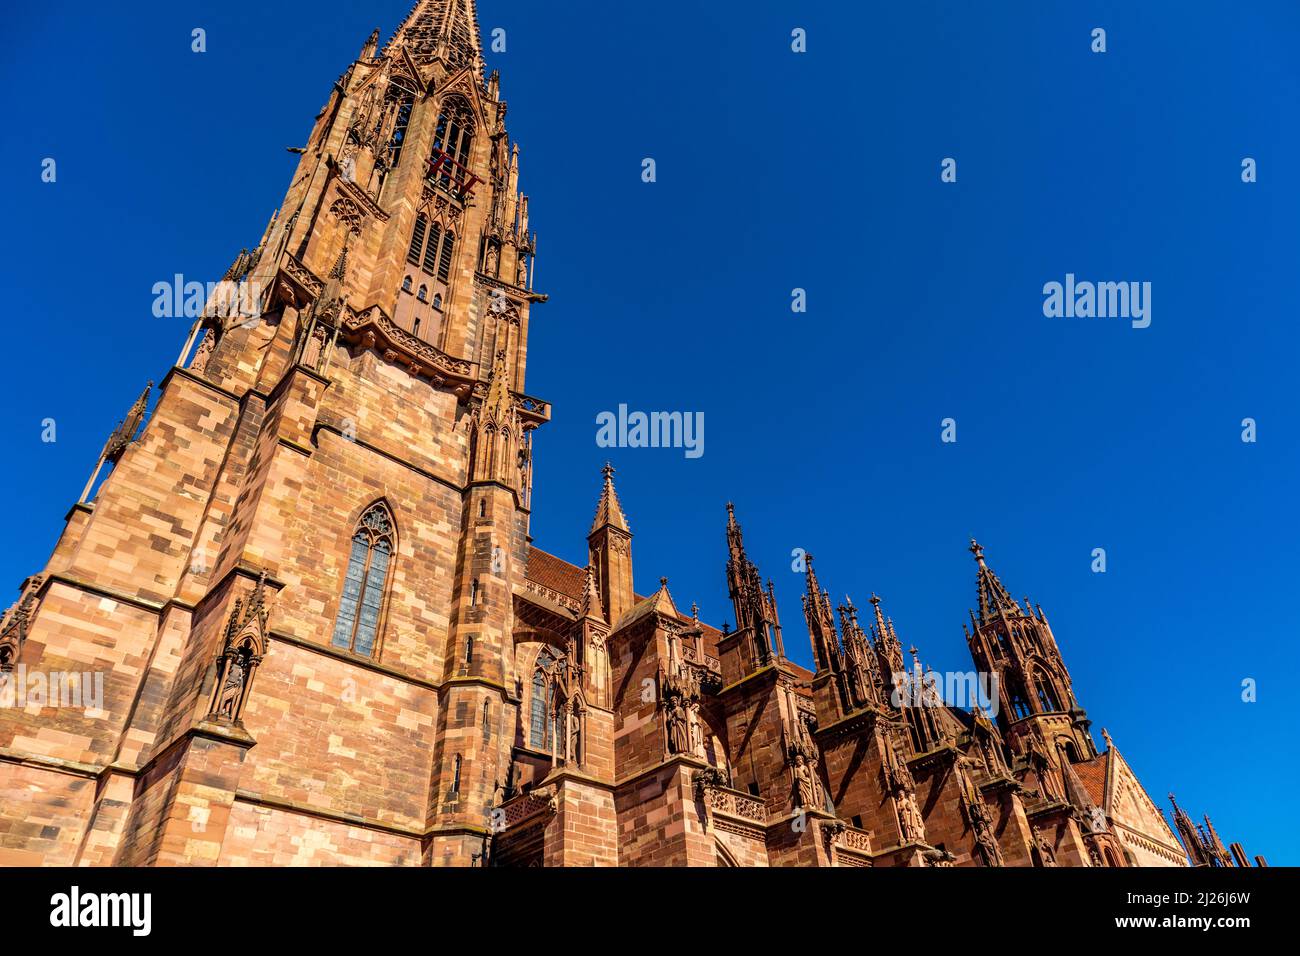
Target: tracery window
x=1019, y=706
x=399, y=98
x=1047, y=698
x=540, y=719
x=357, y=626
x=452, y=140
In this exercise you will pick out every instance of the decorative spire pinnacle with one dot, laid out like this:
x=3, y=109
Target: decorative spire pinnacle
x=340, y=268
x=608, y=510
x=591, y=603
x=370, y=46
x=821, y=620
x=994, y=599
x=498, y=395
x=124, y=434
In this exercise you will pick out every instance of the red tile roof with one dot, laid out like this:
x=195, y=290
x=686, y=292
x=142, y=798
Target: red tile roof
x=1092, y=774
x=556, y=573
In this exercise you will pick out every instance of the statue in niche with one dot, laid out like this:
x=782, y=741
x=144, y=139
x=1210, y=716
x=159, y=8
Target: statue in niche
x=315, y=347
x=986, y=843
x=232, y=687
x=808, y=788
x=910, y=821
x=204, y=352
x=679, y=738
x=575, y=736
x=1045, y=851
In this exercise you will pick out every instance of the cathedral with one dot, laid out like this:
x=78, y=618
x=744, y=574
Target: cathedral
x=320, y=633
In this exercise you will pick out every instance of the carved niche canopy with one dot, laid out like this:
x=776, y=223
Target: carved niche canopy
x=243, y=649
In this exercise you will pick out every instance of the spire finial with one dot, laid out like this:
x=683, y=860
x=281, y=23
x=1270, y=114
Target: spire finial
x=608, y=510
x=978, y=550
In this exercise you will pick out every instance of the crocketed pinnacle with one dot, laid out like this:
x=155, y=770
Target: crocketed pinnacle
x=608, y=510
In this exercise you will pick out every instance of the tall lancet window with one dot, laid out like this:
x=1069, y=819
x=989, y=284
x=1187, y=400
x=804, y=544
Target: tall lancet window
x=539, y=731
x=1047, y=698
x=357, y=627
x=399, y=98
x=452, y=141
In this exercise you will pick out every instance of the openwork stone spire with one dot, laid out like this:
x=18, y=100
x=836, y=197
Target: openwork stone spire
x=608, y=510
x=994, y=599
x=445, y=30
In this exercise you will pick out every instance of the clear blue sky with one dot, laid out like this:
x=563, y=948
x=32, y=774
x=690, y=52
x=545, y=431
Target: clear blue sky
x=777, y=171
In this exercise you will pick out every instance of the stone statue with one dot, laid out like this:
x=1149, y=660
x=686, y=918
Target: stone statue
x=575, y=737
x=231, y=689
x=679, y=738
x=1045, y=851
x=201, y=355
x=808, y=789
x=909, y=817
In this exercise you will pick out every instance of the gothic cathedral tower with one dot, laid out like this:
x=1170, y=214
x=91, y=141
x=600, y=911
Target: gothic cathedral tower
x=1037, y=710
x=307, y=557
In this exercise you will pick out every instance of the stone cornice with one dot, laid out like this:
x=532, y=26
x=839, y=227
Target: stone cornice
x=519, y=291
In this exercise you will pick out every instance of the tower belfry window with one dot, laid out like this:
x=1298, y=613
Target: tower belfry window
x=417, y=240
x=432, y=249
x=445, y=256
x=1047, y=699
x=400, y=99
x=453, y=139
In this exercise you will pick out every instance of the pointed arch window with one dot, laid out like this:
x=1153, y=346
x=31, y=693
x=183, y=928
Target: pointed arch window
x=1047, y=699
x=357, y=626
x=540, y=720
x=452, y=141
x=399, y=98
x=432, y=249
x=417, y=240
x=1019, y=706
x=445, y=256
